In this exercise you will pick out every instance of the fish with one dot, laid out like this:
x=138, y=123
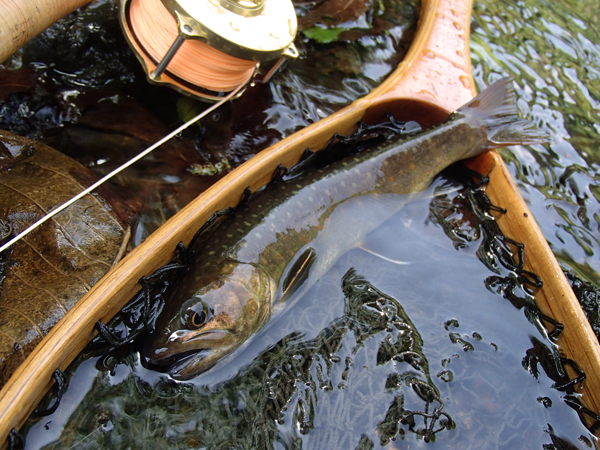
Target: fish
x=290, y=234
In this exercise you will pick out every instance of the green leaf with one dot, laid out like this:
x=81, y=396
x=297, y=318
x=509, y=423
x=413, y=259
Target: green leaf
x=188, y=108
x=323, y=35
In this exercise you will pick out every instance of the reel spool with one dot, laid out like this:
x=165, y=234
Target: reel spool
x=207, y=48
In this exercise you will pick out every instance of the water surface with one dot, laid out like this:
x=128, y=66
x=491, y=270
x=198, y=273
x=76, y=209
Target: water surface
x=314, y=381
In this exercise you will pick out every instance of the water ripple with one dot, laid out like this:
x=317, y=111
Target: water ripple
x=552, y=51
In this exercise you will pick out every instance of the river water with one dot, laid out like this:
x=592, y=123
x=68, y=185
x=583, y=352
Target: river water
x=318, y=378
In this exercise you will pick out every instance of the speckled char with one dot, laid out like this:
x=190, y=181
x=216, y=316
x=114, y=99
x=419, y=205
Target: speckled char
x=294, y=232
x=322, y=208
x=44, y=274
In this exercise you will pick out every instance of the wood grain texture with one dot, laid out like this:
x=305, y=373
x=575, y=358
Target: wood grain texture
x=417, y=88
x=21, y=20
x=556, y=298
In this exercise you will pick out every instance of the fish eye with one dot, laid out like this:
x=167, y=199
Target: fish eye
x=197, y=315
x=197, y=319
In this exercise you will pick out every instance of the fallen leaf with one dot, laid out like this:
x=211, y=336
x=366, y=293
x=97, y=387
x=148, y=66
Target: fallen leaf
x=44, y=274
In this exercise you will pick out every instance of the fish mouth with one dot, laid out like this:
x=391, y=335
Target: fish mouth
x=179, y=366
x=187, y=353
x=187, y=366
x=187, y=337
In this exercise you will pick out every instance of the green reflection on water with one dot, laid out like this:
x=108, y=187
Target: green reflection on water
x=552, y=50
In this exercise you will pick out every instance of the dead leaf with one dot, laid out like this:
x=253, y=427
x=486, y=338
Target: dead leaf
x=48, y=271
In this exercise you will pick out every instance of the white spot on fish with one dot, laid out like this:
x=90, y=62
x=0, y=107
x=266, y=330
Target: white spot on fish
x=177, y=335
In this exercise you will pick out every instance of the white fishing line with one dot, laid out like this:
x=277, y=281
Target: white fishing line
x=119, y=169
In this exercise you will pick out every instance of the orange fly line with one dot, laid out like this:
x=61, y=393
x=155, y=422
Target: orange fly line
x=195, y=62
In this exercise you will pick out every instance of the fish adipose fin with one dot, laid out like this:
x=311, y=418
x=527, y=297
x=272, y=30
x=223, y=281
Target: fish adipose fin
x=496, y=107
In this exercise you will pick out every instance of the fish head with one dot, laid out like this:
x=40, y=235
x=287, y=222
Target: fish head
x=211, y=312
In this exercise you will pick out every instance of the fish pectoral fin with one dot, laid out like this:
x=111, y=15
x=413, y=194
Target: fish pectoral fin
x=298, y=272
x=385, y=258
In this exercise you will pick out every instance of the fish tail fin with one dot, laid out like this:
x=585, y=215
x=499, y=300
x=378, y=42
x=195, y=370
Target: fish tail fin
x=497, y=109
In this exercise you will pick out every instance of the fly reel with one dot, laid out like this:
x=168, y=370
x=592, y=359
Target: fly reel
x=207, y=48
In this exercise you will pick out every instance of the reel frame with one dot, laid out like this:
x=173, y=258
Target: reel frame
x=254, y=30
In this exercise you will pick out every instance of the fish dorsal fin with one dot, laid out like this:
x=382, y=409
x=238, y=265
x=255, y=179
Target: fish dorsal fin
x=496, y=108
x=298, y=272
